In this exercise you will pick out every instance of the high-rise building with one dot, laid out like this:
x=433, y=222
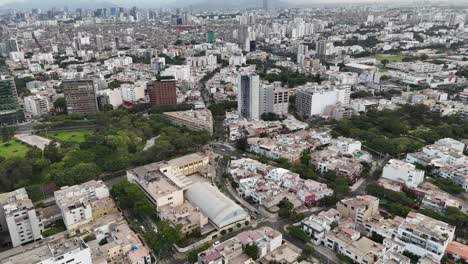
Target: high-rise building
x=13, y=45
x=36, y=105
x=210, y=37
x=8, y=102
x=265, y=4
x=302, y=51
x=451, y=19
x=162, y=91
x=316, y=99
x=19, y=218
x=99, y=42
x=80, y=95
x=324, y=49
x=248, y=96
x=274, y=100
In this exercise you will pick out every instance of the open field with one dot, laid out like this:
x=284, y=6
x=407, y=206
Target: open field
x=13, y=148
x=71, y=136
x=390, y=58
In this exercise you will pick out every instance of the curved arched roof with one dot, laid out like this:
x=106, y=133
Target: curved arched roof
x=221, y=210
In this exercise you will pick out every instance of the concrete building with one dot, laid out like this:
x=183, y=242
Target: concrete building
x=359, y=209
x=324, y=49
x=133, y=92
x=110, y=97
x=316, y=99
x=425, y=236
x=36, y=105
x=403, y=172
x=274, y=100
x=317, y=226
x=248, y=96
x=9, y=101
x=192, y=119
x=18, y=218
x=265, y=239
x=75, y=202
x=69, y=251
x=162, y=92
x=80, y=96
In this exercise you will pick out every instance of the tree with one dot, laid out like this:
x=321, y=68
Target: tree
x=328, y=201
x=307, y=252
x=298, y=233
x=60, y=105
x=78, y=174
x=5, y=134
x=286, y=207
x=52, y=153
x=251, y=251
x=384, y=62
x=242, y=144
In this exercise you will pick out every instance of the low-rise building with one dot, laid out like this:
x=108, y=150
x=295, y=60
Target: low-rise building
x=359, y=209
x=201, y=119
x=75, y=202
x=401, y=171
x=457, y=251
x=70, y=251
x=265, y=239
x=18, y=218
x=425, y=236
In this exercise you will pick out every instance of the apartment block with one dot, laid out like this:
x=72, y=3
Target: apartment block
x=18, y=218
x=359, y=209
x=75, y=202
x=403, y=172
x=80, y=95
x=36, y=105
x=162, y=92
x=192, y=119
x=315, y=100
x=63, y=250
x=425, y=236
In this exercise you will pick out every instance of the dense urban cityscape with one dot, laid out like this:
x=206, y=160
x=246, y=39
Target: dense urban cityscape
x=233, y=133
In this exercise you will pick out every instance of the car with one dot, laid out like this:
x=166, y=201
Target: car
x=143, y=228
x=216, y=243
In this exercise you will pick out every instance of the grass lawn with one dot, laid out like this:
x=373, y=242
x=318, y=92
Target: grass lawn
x=58, y=227
x=390, y=58
x=71, y=136
x=13, y=149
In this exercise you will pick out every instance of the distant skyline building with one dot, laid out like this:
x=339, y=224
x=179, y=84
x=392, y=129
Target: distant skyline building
x=265, y=4
x=210, y=37
x=80, y=96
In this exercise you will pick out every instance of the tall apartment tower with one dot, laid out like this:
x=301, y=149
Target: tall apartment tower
x=80, y=95
x=8, y=102
x=324, y=49
x=19, y=218
x=13, y=45
x=99, y=42
x=162, y=92
x=265, y=4
x=248, y=96
x=274, y=100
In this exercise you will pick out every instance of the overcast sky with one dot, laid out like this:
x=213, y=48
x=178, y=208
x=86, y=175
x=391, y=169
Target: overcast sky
x=172, y=3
